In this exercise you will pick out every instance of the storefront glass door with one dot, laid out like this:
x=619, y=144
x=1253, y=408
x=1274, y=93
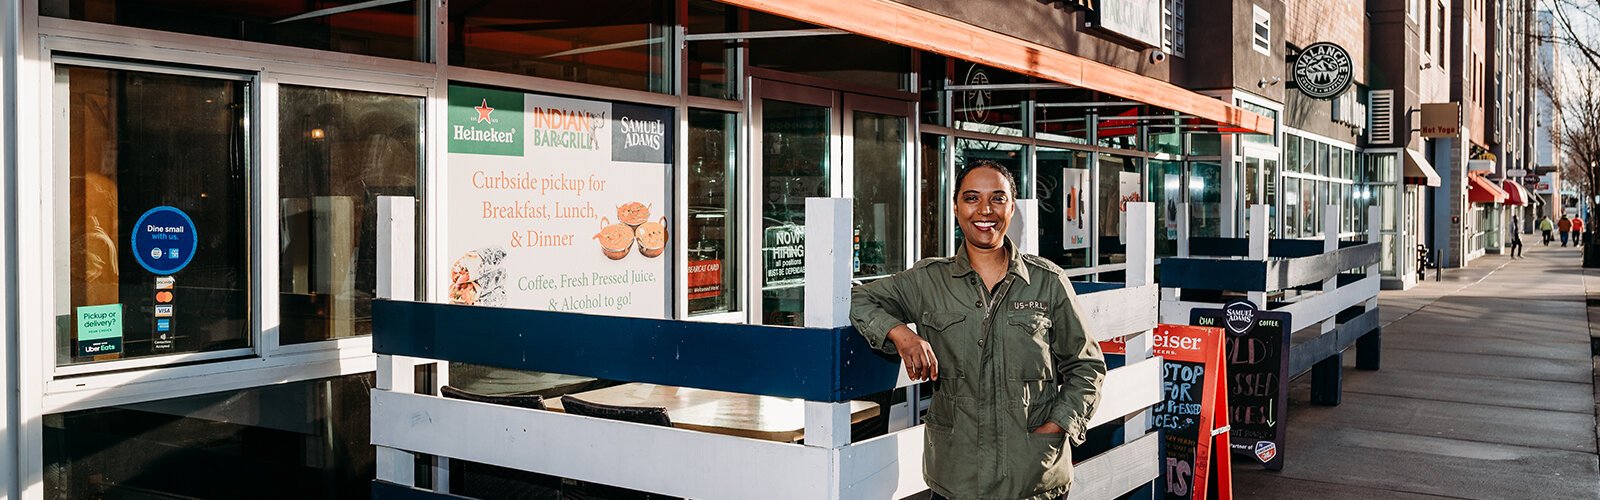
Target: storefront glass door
x=814, y=142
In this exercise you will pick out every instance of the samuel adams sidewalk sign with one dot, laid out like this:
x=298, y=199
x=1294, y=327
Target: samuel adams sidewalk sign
x=1193, y=418
x=1257, y=352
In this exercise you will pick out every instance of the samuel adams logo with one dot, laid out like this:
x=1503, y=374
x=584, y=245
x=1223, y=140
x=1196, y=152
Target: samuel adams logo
x=484, y=121
x=1241, y=317
x=641, y=134
x=1323, y=70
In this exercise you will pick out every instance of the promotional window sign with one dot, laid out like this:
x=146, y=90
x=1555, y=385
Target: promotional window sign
x=164, y=240
x=783, y=252
x=1257, y=352
x=99, y=330
x=1193, y=418
x=558, y=204
x=705, y=279
x=1075, y=192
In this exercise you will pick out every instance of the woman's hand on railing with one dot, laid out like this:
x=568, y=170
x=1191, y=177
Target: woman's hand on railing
x=917, y=353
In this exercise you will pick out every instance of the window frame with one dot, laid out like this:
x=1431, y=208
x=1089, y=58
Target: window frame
x=91, y=385
x=1261, y=20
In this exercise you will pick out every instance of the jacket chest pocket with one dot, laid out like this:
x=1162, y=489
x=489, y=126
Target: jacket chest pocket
x=1028, y=346
x=948, y=335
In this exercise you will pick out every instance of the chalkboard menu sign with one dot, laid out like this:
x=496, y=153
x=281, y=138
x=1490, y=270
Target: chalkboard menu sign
x=1193, y=417
x=1257, y=353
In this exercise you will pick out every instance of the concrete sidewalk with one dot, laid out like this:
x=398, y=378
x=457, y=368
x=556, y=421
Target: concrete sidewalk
x=1487, y=391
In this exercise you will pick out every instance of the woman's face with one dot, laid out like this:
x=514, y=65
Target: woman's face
x=984, y=207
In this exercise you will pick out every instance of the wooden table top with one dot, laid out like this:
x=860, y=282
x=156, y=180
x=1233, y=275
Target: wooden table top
x=744, y=415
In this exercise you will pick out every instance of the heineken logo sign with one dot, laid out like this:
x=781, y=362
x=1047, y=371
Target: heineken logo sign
x=1323, y=70
x=484, y=121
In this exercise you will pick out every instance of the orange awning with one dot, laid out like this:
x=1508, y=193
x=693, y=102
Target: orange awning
x=903, y=25
x=1515, y=195
x=1480, y=190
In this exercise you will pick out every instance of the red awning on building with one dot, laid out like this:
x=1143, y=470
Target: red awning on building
x=1515, y=195
x=901, y=24
x=1480, y=190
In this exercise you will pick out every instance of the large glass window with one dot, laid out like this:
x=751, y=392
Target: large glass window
x=712, y=65
x=878, y=161
x=394, y=29
x=1205, y=199
x=1291, y=155
x=1064, y=206
x=796, y=160
x=171, y=151
x=987, y=110
x=935, y=207
x=1291, y=207
x=1060, y=115
x=1120, y=184
x=1166, y=192
x=713, y=205
x=616, y=43
x=298, y=440
x=845, y=58
x=339, y=151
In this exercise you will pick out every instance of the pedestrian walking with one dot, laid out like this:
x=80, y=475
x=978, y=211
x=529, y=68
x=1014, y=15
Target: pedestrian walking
x=1516, y=237
x=1546, y=226
x=1565, y=227
x=1003, y=333
x=1577, y=231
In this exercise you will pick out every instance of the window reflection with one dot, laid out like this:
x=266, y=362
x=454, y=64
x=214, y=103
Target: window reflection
x=382, y=29
x=616, y=43
x=1062, y=189
x=713, y=225
x=339, y=151
x=878, y=145
x=125, y=155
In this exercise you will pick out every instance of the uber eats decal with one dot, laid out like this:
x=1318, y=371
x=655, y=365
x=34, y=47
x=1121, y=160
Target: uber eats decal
x=558, y=204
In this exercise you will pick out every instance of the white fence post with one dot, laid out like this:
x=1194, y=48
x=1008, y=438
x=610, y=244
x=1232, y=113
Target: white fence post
x=828, y=261
x=1141, y=252
x=397, y=264
x=1260, y=241
x=1330, y=242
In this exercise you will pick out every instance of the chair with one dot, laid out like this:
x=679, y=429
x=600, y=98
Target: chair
x=529, y=401
x=636, y=414
x=488, y=481
x=576, y=490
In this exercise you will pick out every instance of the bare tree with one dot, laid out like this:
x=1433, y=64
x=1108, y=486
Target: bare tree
x=1575, y=28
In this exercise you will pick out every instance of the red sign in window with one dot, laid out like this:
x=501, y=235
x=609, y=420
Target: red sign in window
x=705, y=279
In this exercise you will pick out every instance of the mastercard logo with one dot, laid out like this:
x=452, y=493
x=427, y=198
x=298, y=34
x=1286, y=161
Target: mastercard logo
x=163, y=297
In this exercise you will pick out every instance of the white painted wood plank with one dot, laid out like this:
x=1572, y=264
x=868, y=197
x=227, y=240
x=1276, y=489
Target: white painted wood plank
x=888, y=466
x=1120, y=312
x=659, y=459
x=1119, y=470
x=1024, y=229
x=1128, y=390
x=1314, y=310
x=1141, y=247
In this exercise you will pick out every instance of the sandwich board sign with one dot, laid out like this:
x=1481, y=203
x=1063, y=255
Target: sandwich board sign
x=1193, y=417
x=1257, y=355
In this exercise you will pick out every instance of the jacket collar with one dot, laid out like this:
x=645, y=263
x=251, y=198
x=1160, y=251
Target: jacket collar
x=963, y=265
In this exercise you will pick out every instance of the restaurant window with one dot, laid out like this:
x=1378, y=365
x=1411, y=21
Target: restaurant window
x=1205, y=199
x=1269, y=194
x=713, y=233
x=1059, y=115
x=309, y=439
x=1267, y=139
x=1205, y=144
x=981, y=109
x=935, y=193
x=1291, y=155
x=1166, y=192
x=615, y=43
x=393, y=29
x=1064, y=206
x=152, y=214
x=338, y=151
x=933, y=72
x=1291, y=207
x=712, y=65
x=1120, y=184
x=878, y=157
x=844, y=58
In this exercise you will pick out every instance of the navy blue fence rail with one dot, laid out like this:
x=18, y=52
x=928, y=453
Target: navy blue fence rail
x=810, y=363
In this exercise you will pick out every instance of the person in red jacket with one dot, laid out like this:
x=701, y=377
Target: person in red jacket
x=1577, y=231
x=1564, y=226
